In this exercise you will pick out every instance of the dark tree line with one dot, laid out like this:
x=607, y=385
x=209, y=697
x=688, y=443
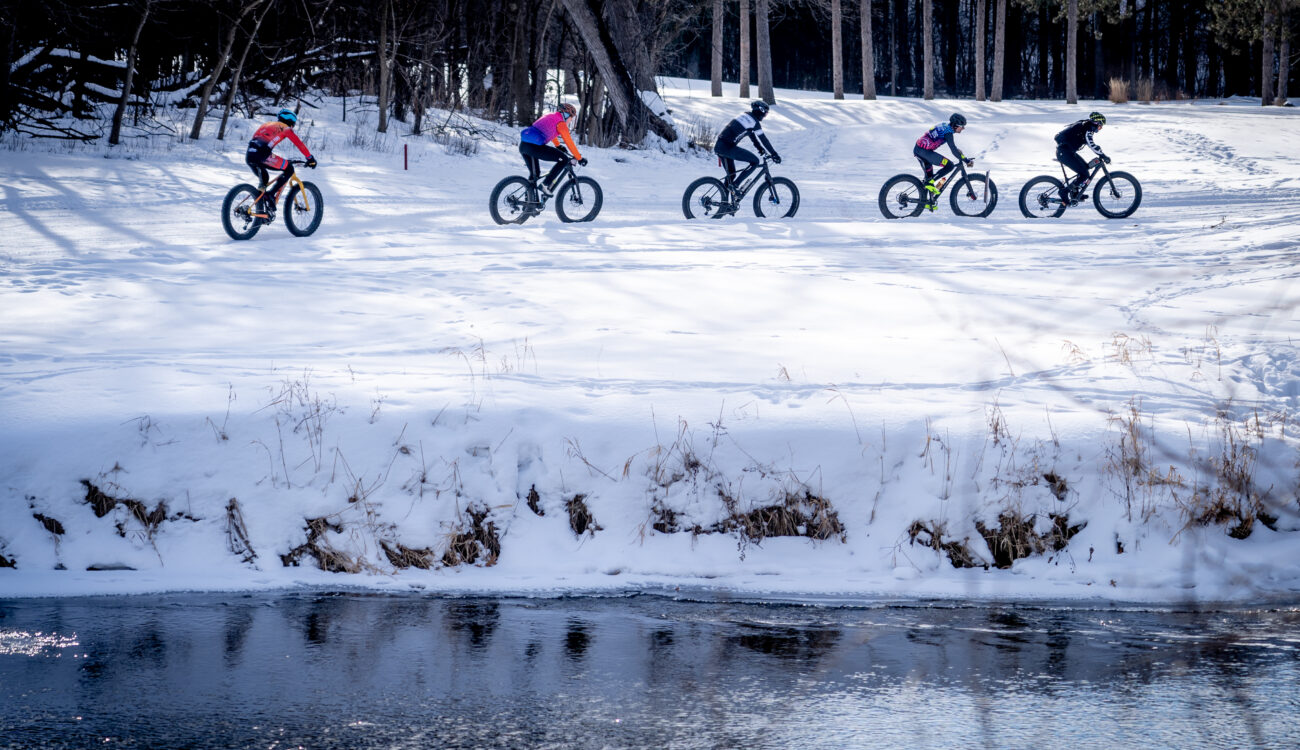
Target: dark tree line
x=1191, y=48
x=92, y=68
x=75, y=68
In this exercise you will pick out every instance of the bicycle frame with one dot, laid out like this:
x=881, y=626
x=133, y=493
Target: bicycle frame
x=953, y=177
x=294, y=179
x=1096, y=164
x=753, y=173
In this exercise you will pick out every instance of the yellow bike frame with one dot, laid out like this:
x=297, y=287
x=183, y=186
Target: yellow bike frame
x=302, y=191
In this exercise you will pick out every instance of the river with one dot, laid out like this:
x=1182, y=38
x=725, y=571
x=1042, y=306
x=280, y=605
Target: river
x=355, y=670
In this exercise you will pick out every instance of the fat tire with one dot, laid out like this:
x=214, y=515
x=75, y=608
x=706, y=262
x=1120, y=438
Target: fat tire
x=1035, y=187
x=591, y=195
x=896, y=211
x=777, y=184
x=1117, y=178
x=961, y=202
x=230, y=212
x=711, y=191
x=294, y=215
x=514, y=214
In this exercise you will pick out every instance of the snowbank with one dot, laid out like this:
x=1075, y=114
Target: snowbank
x=835, y=405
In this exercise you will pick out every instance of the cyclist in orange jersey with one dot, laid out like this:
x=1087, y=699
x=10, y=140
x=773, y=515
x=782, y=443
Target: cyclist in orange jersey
x=260, y=157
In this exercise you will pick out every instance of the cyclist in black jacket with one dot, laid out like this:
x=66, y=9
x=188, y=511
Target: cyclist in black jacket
x=727, y=145
x=1068, y=143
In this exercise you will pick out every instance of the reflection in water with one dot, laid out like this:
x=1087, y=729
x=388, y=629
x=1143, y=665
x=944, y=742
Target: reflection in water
x=475, y=618
x=576, y=640
x=354, y=671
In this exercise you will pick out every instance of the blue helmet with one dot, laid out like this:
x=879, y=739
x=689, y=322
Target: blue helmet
x=288, y=117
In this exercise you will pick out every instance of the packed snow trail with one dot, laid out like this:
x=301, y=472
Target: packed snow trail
x=832, y=349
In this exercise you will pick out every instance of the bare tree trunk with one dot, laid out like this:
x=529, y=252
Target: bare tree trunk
x=1266, y=72
x=762, y=11
x=115, y=136
x=607, y=54
x=744, y=49
x=868, y=53
x=927, y=44
x=238, y=72
x=892, y=7
x=716, y=73
x=223, y=57
x=385, y=66
x=1283, y=67
x=837, y=49
x=981, y=15
x=1072, y=52
x=521, y=95
x=999, y=50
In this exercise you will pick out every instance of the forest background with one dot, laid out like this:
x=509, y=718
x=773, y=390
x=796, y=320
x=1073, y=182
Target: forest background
x=87, y=69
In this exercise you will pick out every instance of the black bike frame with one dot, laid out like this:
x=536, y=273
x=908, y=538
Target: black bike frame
x=1096, y=164
x=760, y=172
x=566, y=175
x=953, y=178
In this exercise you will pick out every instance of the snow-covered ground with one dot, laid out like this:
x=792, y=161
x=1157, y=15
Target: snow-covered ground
x=413, y=367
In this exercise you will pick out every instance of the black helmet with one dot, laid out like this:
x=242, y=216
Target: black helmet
x=1098, y=118
x=958, y=120
x=758, y=108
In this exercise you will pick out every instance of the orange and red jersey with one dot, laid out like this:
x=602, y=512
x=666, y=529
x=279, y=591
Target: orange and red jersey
x=273, y=132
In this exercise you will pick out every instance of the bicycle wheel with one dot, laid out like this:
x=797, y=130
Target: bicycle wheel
x=778, y=202
x=1117, y=195
x=705, y=199
x=513, y=201
x=236, y=212
x=579, y=200
x=303, y=209
x=1040, y=198
x=974, y=195
x=903, y=196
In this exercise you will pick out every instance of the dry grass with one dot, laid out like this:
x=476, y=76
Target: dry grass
x=1016, y=536
x=932, y=535
x=699, y=132
x=103, y=504
x=1233, y=499
x=804, y=514
x=1145, y=90
x=476, y=541
x=1118, y=90
x=535, y=501
x=317, y=545
x=237, y=533
x=401, y=557
x=580, y=518
x=51, y=525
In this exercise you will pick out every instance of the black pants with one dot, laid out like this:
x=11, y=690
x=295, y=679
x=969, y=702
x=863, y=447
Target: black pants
x=931, y=159
x=536, y=153
x=259, y=159
x=1072, y=160
x=731, y=153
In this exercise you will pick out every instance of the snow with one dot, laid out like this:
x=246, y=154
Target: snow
x=412, y=361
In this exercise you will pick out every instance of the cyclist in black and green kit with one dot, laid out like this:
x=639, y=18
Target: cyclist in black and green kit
x=1068, y=143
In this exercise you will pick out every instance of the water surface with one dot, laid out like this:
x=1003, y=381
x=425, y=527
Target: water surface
x=348, y=670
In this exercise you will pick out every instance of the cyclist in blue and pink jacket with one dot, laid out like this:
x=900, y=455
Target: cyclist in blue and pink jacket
x=928, y=144
x=535, y=140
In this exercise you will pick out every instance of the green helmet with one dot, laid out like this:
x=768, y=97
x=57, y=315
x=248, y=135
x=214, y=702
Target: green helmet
x=1098, y=118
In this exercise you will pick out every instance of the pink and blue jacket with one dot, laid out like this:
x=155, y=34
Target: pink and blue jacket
x=550, y=129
